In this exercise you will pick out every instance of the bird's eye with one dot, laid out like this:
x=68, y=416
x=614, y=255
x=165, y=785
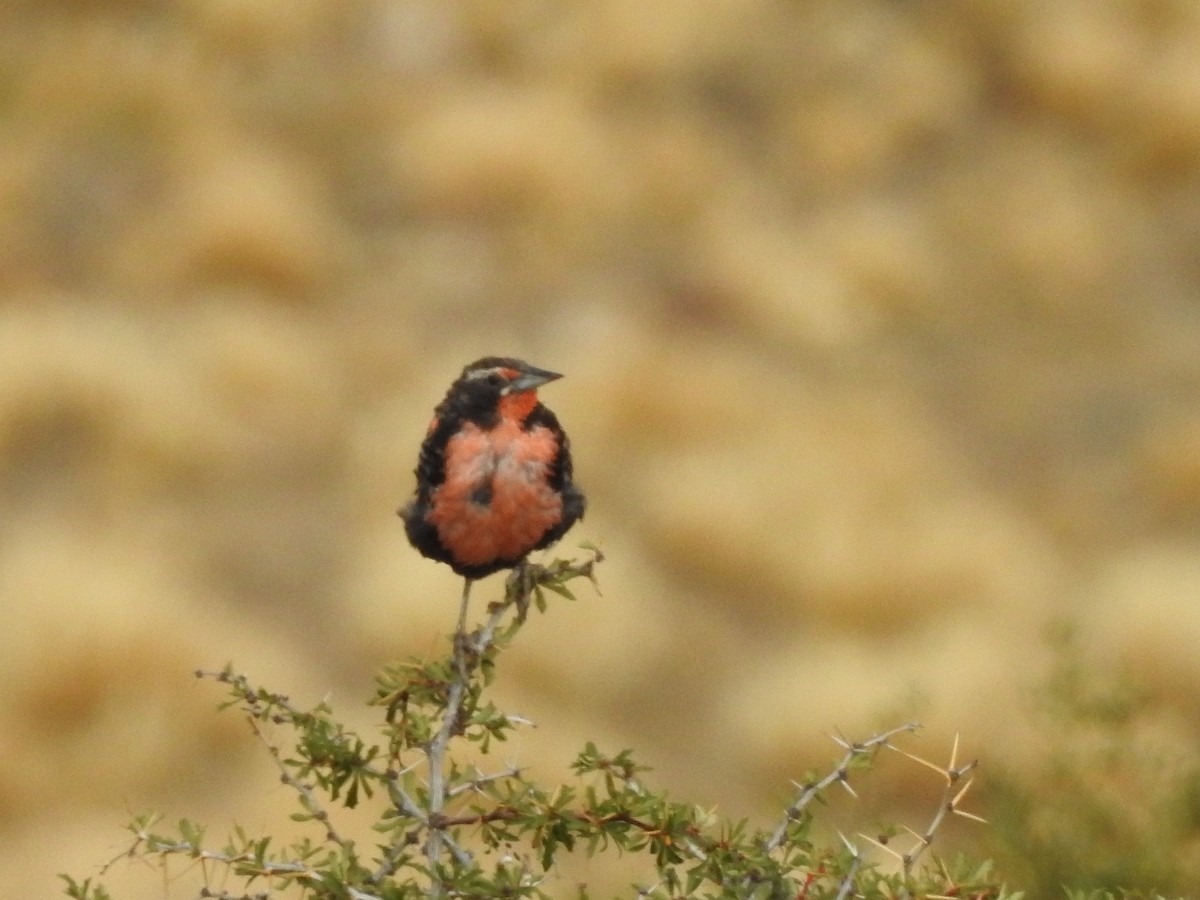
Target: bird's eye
x=495, y=380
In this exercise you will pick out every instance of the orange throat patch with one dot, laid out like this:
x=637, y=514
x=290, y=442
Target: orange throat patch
x=517, y=407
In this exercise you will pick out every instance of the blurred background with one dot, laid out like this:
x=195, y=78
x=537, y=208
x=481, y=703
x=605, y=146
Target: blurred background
x=881, y=328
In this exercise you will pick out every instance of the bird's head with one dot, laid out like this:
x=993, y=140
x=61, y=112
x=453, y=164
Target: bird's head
x=500, y=385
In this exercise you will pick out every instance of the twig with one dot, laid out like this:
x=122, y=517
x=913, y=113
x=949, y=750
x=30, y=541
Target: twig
x=951, y=795
x=307, y=797
x=839, y=774
x=297, y=871
x=847, y=884
x=480, y=779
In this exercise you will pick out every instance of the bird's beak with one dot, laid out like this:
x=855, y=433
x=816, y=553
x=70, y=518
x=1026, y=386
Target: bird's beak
x=530, y=379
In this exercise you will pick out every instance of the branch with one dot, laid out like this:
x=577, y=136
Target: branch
x=245, y=862
x=468, y=649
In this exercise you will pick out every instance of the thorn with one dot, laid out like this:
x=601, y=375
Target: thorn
x=971, y=816
x=854, y=851
x=884, y=847
x=966, y=787
x=841, y=741
x=923, y=762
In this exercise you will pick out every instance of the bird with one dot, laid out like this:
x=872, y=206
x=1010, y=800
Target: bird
x=494, y=474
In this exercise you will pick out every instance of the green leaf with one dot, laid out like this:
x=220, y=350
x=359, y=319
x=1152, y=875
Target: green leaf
x=191, y=833
x=559, y=589
x=83, y=890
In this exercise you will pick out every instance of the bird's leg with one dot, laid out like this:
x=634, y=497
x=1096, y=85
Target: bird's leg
x=462, y=610
x=520, y=584
x=460, y=632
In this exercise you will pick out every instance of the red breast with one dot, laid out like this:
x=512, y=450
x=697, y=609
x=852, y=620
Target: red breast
x=506, y=468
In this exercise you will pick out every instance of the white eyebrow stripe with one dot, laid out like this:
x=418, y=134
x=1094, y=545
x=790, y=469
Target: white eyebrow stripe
x=504, y=372
x=482, y=373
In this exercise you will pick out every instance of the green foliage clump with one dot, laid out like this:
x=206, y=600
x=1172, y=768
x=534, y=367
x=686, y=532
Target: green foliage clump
x=448, y=829
x=1108, y=806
